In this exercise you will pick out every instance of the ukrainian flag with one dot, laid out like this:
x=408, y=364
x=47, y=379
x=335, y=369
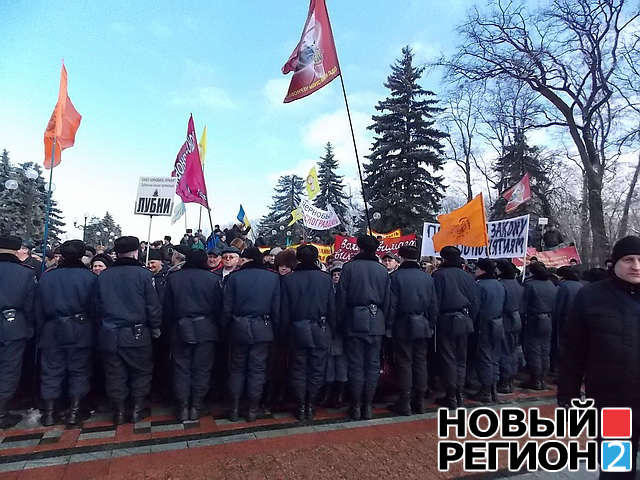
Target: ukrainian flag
x=242, y=217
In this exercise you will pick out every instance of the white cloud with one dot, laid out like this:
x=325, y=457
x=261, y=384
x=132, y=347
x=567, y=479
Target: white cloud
x=426, y=52
x=275, y=90
x=210, y=96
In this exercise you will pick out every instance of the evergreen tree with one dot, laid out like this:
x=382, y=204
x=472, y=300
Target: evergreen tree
x=102, y=231
x=400, y=177
x=285, y=199
x=331, y=184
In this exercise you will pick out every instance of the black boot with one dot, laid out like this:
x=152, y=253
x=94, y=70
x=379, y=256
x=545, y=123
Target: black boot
x=355, y=412
x=311, y=411
x=182, y=413
x=539, y=384
x=418, y=403
x=300, y=412
x=194, y=411
x=234, y=411
x=74, y=412
x=483, y=395
x=460, y=398
x=47, y=417
x=119, y=413
x=326, y=399
x=8, y=420
x=338, y=395
x=403, y=405
x=252, y=414
x=367, y=412
x=139, y=412
x=449, y=400
x=504, y=386
x=494, y=393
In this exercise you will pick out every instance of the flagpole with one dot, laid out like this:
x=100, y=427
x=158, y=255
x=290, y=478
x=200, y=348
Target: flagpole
x=48, y=209
x=200, y=218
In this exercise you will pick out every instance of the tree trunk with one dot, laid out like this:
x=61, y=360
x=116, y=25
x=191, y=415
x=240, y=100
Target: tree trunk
x=624, y=221
x=468, y=179
x=585, y=234
x=600, y=242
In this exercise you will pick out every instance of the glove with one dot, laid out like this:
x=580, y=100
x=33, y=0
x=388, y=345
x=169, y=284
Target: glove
x=155, y=333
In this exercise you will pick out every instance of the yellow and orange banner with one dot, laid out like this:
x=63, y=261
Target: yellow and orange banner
x=464, y=226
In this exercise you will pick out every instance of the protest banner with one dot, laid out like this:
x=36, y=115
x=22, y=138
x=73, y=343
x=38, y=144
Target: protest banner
x=345, y=248
x=555, y=258
x=507, y=239
x=323, y=250
x=316, y=218
x=393, y=234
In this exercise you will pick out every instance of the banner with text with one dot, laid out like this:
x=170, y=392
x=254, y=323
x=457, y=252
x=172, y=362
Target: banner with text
x=316, y=218
x=507, y=239
x=345, y=248
x=551, y=258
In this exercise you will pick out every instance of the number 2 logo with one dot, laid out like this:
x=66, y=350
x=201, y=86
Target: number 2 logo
x=616, y=456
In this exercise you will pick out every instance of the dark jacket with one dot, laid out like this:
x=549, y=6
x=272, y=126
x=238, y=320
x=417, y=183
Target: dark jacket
x=66, y=291
x=192, y=305
x=34, y=263
x=160, y=282
x=456, y=290
x=251, y=304
x=603, y=332
x=414, y=304
x=513, y=296
x=308, y=307
x=538, y=297
x=491, y=299
x=166, y=250
x=567, y=292
x=17, y=291
x=126, y=297
x=364, y=297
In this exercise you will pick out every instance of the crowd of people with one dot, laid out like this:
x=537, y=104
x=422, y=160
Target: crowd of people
x=234, y=321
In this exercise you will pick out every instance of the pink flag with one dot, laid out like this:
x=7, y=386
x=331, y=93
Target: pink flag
x=188, y=169
x=518, y=194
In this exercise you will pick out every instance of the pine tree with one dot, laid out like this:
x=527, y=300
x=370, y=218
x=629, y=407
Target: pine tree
x=102, y=231
x=331, y=184
x=400, y=177
x=285, y=199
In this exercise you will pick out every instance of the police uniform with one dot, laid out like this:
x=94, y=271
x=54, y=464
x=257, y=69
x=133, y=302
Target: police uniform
x=162, y=367
x=458, y=304
x=129, y=313
x=336, y=375
x=509, y=361
x=251, y=309
x=192, y=307
x=538, y=299
x=17, y=291
x=414, y=311
x=65, y=315
x=363, y=302
x=489, y=330
x=308, y=318
x=567, y=291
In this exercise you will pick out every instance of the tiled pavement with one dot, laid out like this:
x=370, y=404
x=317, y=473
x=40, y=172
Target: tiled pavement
x=329, y=447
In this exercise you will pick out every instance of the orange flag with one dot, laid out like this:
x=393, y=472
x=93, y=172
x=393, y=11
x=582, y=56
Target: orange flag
x=465, y=226
x=63, y=124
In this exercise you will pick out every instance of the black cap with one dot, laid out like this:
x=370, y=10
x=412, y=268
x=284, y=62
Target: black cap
x=409, y=252
x=507, y=269
x=155, y=254
x=539, y=270
x=568, y=273
x=626, y=246
x=196, y=258
x=73, y=249
x=252, y=253
x=486, y=265
x=101, y=257
x=368, y=243
x=182, y=249
x=450, y=253
x=167, y=238
x=27, y=244
x=230, y=250
x=126, y=244
x=10, y=242
x=307, y=254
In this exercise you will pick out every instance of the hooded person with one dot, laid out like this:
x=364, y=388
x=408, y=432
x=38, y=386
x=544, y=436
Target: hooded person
x=363, y=301
x=17, y=292
x=604, y=334
x=509, y=358
x=307, y=325
x=129, y=314
x=192, y=304
x=536, y=308
x=458, y=305
x=65, y=322
x=251, y=312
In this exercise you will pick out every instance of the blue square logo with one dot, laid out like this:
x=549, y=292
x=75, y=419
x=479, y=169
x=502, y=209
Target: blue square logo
x=616, y=456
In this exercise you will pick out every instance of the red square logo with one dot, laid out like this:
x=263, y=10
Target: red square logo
x=615, y=423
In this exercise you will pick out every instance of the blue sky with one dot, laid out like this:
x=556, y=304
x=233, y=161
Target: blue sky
x=137, y=69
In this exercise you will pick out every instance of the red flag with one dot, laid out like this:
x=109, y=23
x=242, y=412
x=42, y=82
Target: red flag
x=63, y=124
x=314, y=61
x=518, y=194
x=191, y=187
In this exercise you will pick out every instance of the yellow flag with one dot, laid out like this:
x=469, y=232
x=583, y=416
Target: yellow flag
x=313, y=187
x=203, y=145
x=295, y=216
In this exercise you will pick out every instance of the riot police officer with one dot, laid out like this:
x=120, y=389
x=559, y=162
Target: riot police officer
x=192, y=305
x=363, y=302
x=251, y=310
x=308, y=318
x=458, y=304
x=509, y=360
x=414, y=311
x=65, y=314
x=130, y=314
x=17, y=291
x=489, y=329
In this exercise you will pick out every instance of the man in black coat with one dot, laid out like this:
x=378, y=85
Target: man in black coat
x=509, y=360
x=17, y=291
x=251, y=312
x=538, y=298
x=569, y=286
x=603, y=330
x=414, y=312
x=308, y=318
x=162, y=366
x=489, y=329
x=130, y=315
x=458, y=305
x=65, y=323
x=192, y=305
x=363, y=302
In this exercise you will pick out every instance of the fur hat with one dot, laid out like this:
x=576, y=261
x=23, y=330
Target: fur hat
x=252, y=253
x=450, y=253
x=196, y=258
x=286, y=258
x=368, y=243
x=409, y=252
x=307, y=254
x=73, y=249
x=126, y=244
x=10, y=242
x=486, y=265
x=155, y=254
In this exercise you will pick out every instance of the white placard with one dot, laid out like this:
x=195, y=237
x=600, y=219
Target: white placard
x=155, y=196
